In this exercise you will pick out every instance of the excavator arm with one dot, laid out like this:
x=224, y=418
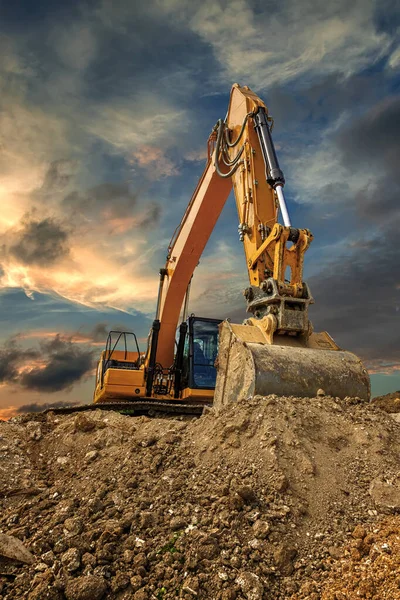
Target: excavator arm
x=240, y=154
x=277, y=343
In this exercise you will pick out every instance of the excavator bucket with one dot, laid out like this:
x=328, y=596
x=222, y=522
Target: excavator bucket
x=247, y=365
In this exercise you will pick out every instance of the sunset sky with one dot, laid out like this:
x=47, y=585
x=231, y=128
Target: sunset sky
x=105, y=111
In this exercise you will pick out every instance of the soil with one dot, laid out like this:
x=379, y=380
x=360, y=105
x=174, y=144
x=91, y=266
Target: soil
x=271, y=498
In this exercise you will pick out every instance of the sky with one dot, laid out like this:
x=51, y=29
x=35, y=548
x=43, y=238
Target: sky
x=105, y=111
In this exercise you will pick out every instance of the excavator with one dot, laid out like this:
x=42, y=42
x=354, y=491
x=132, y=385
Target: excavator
x=192, y=361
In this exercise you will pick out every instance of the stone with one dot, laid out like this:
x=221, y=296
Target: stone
x=71, y=559
x=89, y=587
x=73, y=526
x=11, y=547
x=251, y=585
x=141, y=595
x=83, y=423
x=48, y=557
x=34, y=431
x=359, y=532
x=284, y=557
x=177, y=523
x=91, y=456
x=88, y=559
x=261, y=529
x=386, y=495
x=247, y=494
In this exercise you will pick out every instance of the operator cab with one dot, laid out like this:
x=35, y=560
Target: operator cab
x=199, y=354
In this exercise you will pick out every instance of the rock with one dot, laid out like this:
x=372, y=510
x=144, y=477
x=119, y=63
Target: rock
x=11, y=547
x=73, y=526
x=261, y=529
x=91, y=456
x=284, y=557
x=359, y=532
x=88, y=559
x=48, y=557
x=43, y=588
x=136, y=582
x=34, y=431
x=146, y=519
x=120, y=581
x=89, y=587
x=229, y=594
x=251, y=585
x=247, y=494
x=191, y=586
x=71, y=559
x=141, y=595
x=149, y=441
x=335, y=552
x=83, y=423
x=62, y=460
x=386, y=495
x=177, y=523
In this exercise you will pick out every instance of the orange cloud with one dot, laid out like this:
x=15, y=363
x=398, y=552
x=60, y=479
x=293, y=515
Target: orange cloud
x=380, y=367
x=7, y=412
x=75, y=337
x=154, y=158
x=86, y=277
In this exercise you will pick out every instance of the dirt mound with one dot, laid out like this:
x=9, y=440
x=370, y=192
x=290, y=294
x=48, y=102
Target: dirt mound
x=389, y=402
x=273, y=498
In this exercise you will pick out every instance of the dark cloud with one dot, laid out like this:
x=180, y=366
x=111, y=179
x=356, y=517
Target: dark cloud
x=106, y=199
x=39, y=243
x=57, y=365
x=379, y=200
x=11, y=358
x=357, y=298
x=99, y=332
x=58, y=175
x=152, y=216
x=34, y=407
x=357, y=294
x=372, y=141
x=66, y=364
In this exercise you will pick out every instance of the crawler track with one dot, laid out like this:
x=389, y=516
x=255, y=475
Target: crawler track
x=136, y=407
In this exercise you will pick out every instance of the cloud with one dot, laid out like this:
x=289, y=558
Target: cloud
x=56, y=365
x=287, y=41
x=372, y=141
x=75, y=44
x=151, y=217
x=89, y=260
x=38, y=242
x=146, y=120
x=36, y=407
x=106, y=200
x=11, y=358
x=99, y=332
x=58, y=175
x=154, y=160
x=113, y=207
x=6, y=412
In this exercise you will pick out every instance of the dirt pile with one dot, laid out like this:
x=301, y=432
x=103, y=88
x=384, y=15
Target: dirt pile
x=273, y=498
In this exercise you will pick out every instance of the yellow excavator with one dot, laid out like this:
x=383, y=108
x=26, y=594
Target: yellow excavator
x=275, y=351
